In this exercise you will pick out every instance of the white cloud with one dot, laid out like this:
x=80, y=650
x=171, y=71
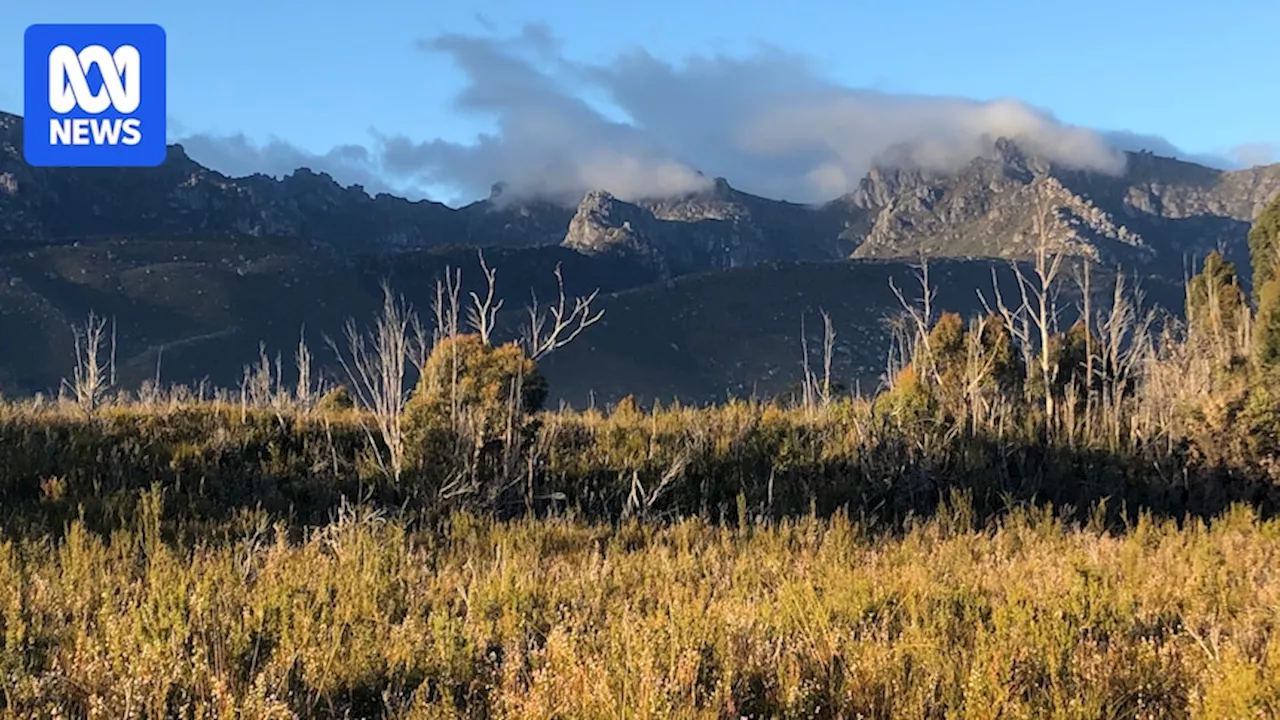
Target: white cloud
x=768, y=122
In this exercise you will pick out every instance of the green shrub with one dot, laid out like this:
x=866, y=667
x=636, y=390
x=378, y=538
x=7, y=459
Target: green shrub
x=1264, y=247
x=909, y=401
x=464, y=372
x=472, y=402
x=1215, y=302
x=1264, y=253
x=336, y=400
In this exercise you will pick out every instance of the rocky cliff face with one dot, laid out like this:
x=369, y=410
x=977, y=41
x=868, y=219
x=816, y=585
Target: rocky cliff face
x=715, y=230
x=1159, y=212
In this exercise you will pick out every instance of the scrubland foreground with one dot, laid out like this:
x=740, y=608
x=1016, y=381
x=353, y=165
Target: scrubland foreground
x=1025, y=617
x=1025, y=523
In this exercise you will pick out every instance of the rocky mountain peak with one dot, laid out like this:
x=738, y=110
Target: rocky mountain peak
x=720, y=189
x=1007, y=151
x=1159, y=210
x=603, y=224
x=597, y=200
x=600, y=209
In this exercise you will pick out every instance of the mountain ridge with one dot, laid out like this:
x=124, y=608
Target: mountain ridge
x=704, y=292
x=1160, y=210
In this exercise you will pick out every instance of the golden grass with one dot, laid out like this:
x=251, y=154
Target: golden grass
x=1025, y=618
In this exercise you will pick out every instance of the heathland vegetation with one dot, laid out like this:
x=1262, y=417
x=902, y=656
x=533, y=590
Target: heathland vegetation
x=1027, y=521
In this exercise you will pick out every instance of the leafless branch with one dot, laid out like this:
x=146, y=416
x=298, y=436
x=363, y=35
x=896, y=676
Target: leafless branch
x=565, y=324
x=482, y=315
x=446, y=306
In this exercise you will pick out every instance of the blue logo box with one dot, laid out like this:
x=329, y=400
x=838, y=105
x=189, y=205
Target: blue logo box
x=94, y=95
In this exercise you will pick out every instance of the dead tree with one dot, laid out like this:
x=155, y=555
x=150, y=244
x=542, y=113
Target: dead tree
x=1035, y=320
x=375, y=364
x=93, y=375
x=921, y=315
x=817, y=392
x=1085, y=284
x=305, y=391
x=1043, y=299
x=920, y=312
x=828, y=349
x=446, y=306
x=557, y=325
x=1124, y=346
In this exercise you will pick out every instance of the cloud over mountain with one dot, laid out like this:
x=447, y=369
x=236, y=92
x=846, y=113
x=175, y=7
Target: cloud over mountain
x=641, y=126
x=238, y=155
x=769, y=121
x=1256, y=154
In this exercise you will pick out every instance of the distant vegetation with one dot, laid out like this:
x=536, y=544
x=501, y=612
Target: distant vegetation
x=1015, y=526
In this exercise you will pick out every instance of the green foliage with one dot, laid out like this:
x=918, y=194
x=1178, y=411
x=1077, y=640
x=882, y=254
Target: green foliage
x=1264, y=247
x=1264, y=253
x=947, y=344
x=472, y=401
x=1266, y=328
x=964, y=365
x=1259, y=417
x=336, y=400
x=464, y=372
x=1001, y=355
x=1215, y=302
x=1069, y=362
x=1071, y=354
x=910, y=400
x=947, y=362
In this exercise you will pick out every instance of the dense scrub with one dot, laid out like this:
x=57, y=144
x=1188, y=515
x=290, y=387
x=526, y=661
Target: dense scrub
x=1025, y=617
x=212, y=460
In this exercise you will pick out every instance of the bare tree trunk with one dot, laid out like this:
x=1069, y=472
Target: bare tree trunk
x=1090, y=401
x=1046, y=269
x=93, y=374
x=921, y=314
x=806, y=387
x=828, y=348
x=302, y=359
x=483, y=314
x=375, y=363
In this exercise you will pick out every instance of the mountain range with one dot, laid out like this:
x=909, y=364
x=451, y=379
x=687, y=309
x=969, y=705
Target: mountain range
x=704, y=293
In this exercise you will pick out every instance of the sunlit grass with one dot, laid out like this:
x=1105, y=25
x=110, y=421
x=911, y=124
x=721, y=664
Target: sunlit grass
x=552, y=618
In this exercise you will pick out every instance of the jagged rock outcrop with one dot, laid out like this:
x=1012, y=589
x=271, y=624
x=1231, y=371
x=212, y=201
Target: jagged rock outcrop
x=1160, y=212
x=605, y=225
x=717, y=229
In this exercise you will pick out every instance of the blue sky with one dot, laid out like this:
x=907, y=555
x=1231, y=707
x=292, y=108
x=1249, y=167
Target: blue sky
x=319, y=74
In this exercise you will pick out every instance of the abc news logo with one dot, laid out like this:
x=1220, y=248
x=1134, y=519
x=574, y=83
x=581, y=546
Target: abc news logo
x=94, y=95
x=69, y=89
